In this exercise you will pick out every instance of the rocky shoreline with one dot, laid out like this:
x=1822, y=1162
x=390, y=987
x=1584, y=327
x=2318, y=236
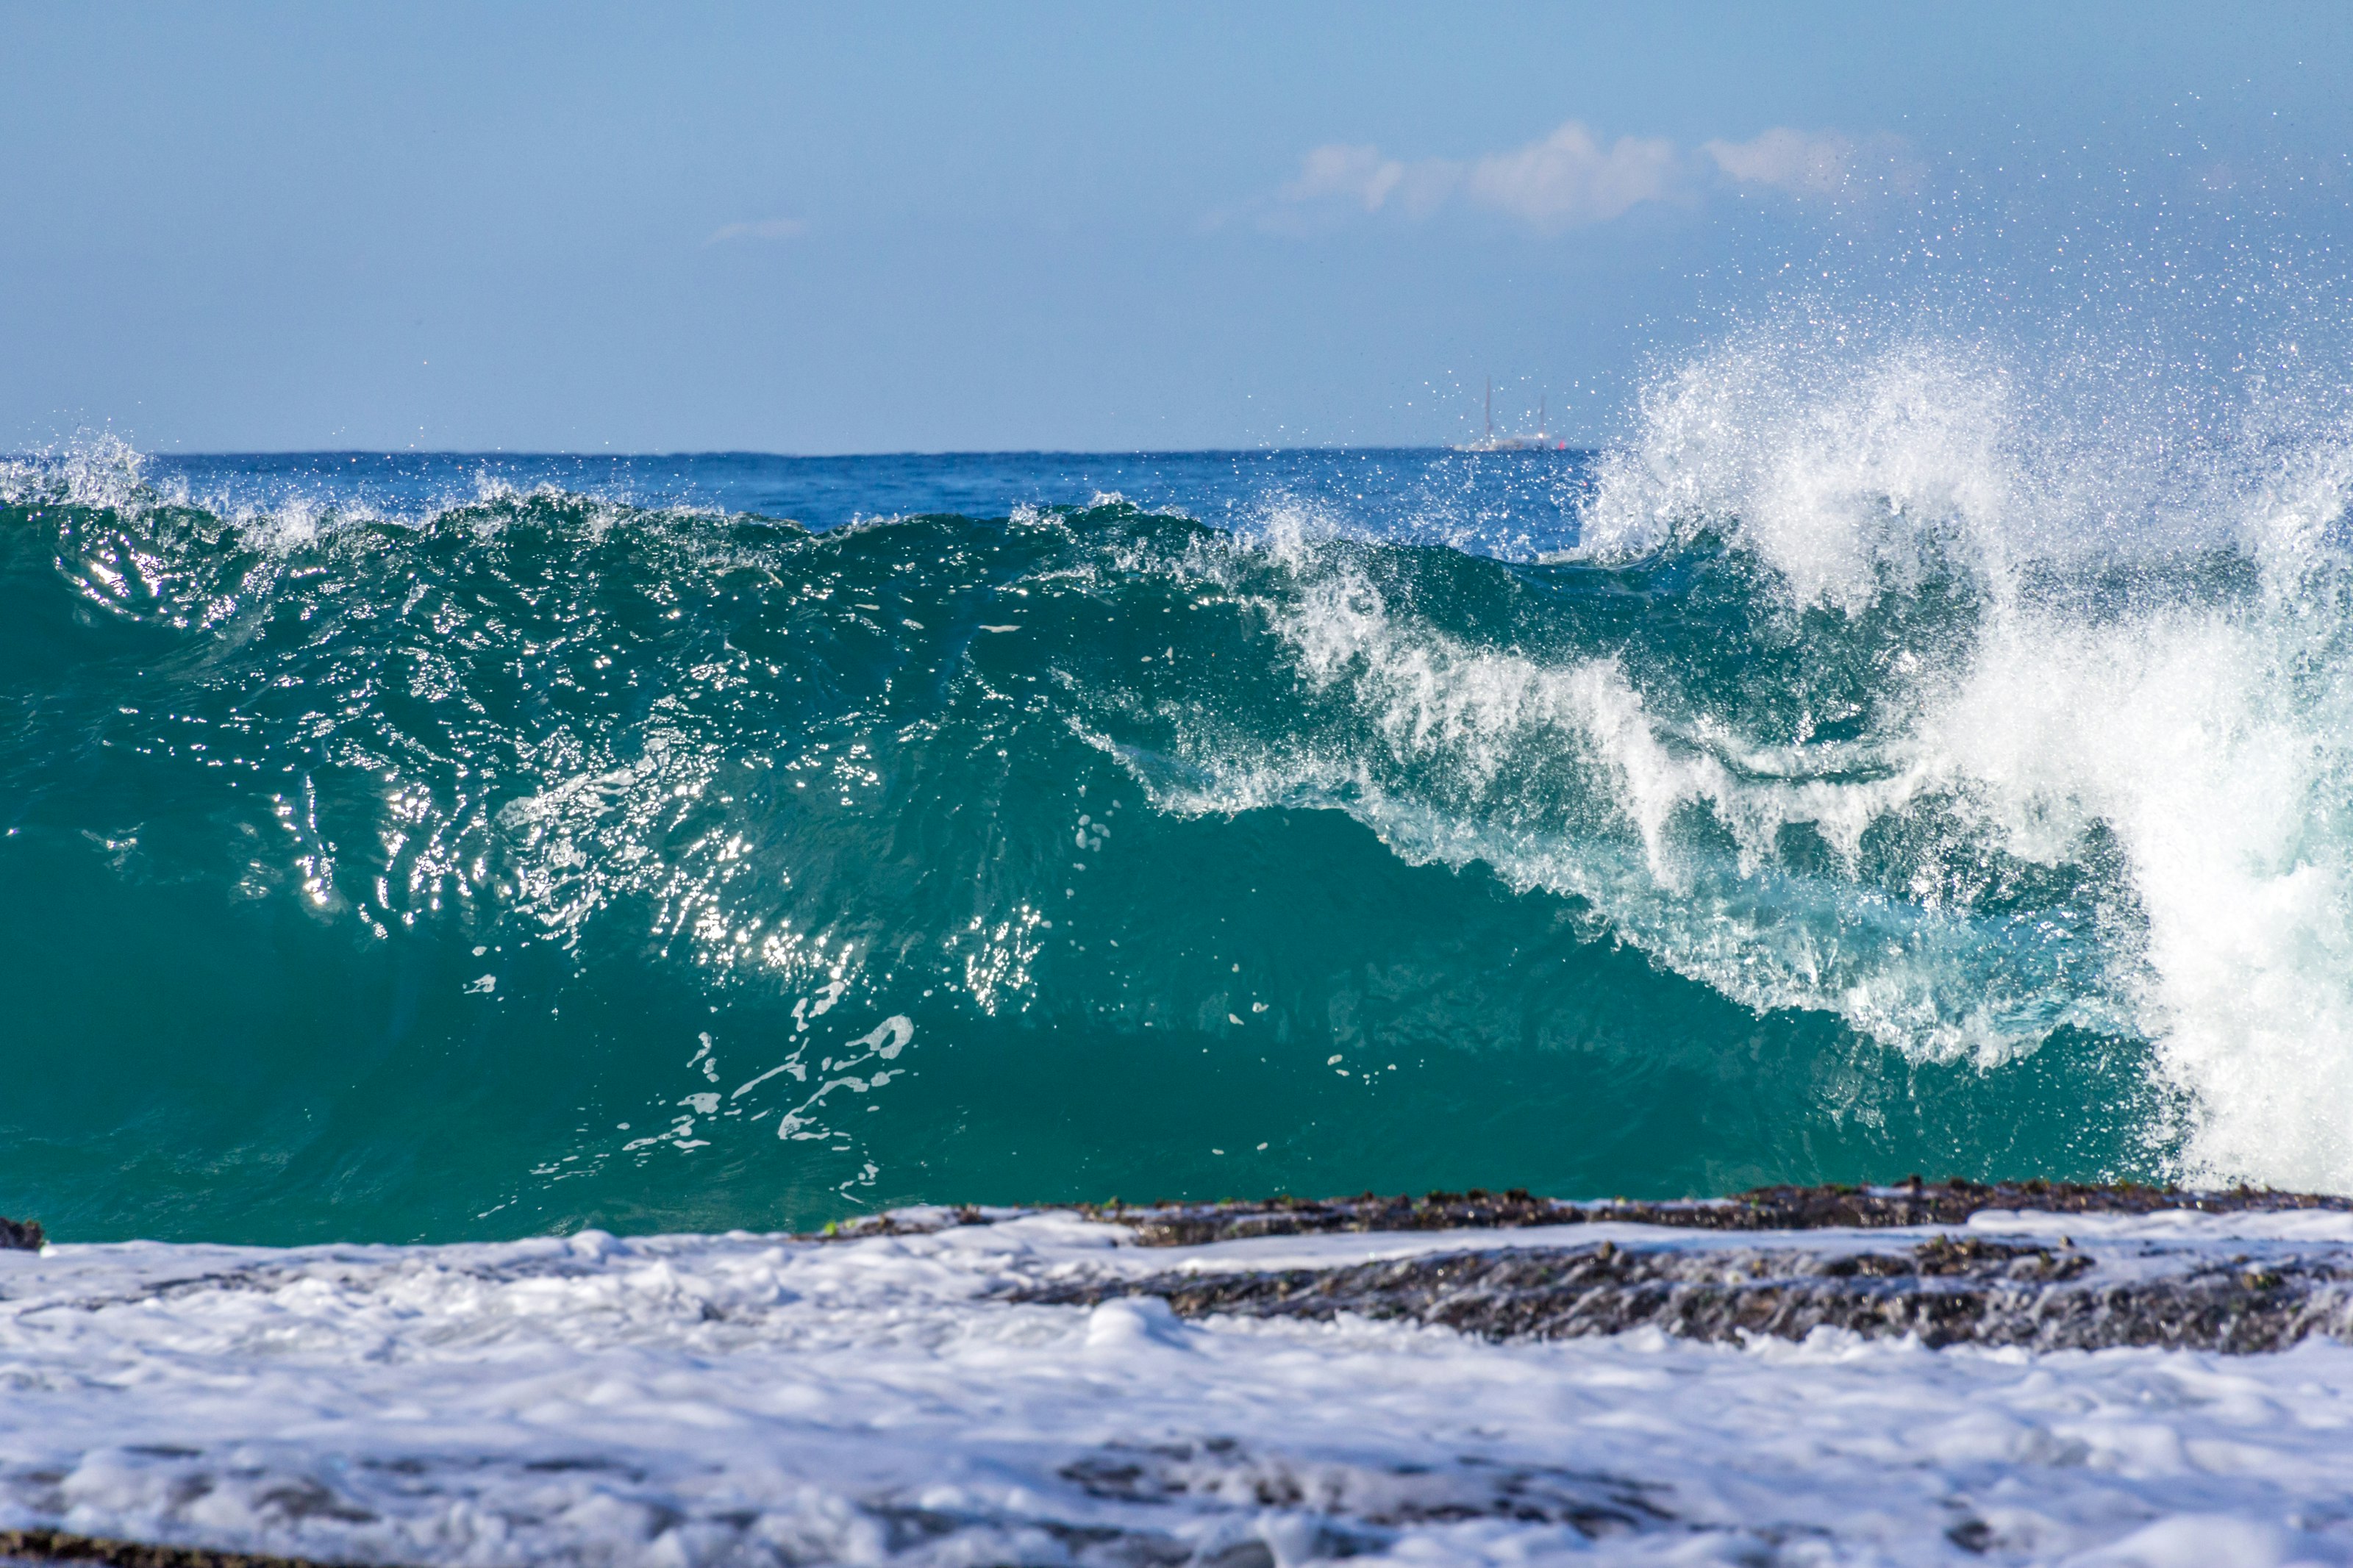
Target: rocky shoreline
x=1122, y=1421
x=1946, y=1290
x=1912, y=1202
x=44, y=1548
x=1973, y=1289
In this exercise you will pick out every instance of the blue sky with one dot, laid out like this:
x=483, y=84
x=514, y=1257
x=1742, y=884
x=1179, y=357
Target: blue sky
x=918, y=228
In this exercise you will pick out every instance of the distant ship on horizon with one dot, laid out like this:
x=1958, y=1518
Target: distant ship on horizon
x=1491, y=442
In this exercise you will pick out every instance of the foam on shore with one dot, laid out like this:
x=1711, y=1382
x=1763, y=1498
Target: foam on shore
x=920, y=1398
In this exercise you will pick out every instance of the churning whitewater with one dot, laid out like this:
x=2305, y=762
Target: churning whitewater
x=1043, y=1390
x=1875, y=761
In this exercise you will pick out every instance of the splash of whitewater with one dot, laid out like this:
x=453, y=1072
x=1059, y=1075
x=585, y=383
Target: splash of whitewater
x=1947, y=712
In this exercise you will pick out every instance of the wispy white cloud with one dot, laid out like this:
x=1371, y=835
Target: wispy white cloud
x=1360, y=176
x=1817, y=162
x=1569, y=177
x=759, y=228
x=1573, y=177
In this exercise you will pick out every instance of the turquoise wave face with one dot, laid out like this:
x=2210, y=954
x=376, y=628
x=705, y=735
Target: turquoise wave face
x=380, y=864
x=545, y=862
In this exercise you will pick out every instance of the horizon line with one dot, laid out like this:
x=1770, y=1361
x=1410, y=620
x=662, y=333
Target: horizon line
x=1572, y=447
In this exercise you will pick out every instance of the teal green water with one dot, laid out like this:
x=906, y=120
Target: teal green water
x=542, y=858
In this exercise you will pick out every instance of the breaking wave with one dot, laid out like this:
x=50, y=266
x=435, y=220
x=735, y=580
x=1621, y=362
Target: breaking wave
x=1914, y=760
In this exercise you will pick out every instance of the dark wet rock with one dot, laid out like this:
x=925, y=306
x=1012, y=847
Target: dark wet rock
x=1946, y=1290
x=1909, y=1203
x=910, y=1222
x=19, y=1235
x=1219, y=1470
x=54, y=1546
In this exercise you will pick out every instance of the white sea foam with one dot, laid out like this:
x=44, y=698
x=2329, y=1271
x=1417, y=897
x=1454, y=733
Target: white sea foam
x=2147, y=687
x=2200, y=724
x=742, y=1399
x=95, y=468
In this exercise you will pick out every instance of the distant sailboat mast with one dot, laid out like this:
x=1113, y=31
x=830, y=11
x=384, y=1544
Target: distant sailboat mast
x=1491, y=442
